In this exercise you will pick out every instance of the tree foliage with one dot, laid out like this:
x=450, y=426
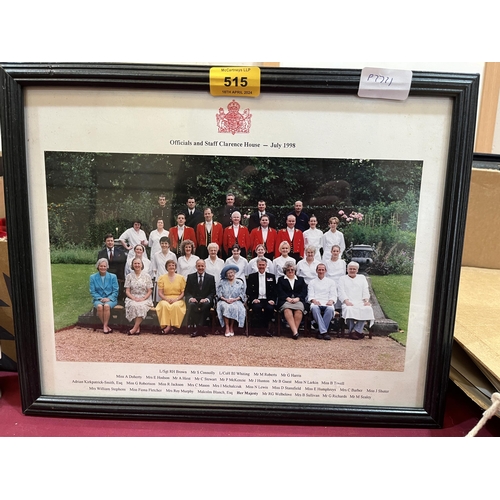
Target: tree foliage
x=91, y=192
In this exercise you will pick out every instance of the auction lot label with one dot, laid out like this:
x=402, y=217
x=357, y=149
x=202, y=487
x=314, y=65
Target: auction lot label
x=235, y=81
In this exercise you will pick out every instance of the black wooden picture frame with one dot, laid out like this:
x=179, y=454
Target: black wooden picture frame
x=16, y=78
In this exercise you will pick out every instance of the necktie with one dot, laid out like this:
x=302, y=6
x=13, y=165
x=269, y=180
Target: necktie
x=200, y=283
x=110, y=255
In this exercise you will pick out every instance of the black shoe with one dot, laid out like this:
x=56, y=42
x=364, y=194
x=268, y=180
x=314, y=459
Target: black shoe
x=326, y=337
x=295, y=336
x=319, y=336
x=194, y=334
x=268, y=333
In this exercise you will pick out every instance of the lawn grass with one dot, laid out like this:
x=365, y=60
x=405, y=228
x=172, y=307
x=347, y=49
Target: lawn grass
x=73, y=255
x=70, y=292
x=393, y=294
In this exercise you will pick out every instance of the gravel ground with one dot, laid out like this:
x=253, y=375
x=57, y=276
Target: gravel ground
x=85, y=345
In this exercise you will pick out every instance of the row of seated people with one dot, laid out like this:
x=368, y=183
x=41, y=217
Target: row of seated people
x=211, y=231
x=197, y=294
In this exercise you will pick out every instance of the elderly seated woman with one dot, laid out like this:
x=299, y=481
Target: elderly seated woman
x=354, y=294
x=292, y=295
x=231, y=299
x=104, y=291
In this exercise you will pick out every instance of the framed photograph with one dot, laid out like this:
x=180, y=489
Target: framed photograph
x=94, y=151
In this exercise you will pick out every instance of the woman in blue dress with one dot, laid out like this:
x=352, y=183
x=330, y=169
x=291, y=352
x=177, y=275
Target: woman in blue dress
x=231, y=299
x=104, y=291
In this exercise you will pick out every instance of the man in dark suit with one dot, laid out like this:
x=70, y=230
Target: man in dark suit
x=193, y=215
x=199, y=295
x=262, y=296
x=254, y=220
x=301, y=218
x=226, y=212
x=116, y=258
x=161, y=211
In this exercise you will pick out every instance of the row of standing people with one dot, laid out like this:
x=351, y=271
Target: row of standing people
x=223, y=215
x=289, y=293
x=211, y=231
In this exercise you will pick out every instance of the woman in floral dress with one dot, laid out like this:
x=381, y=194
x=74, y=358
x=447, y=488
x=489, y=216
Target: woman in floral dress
x=138, y=288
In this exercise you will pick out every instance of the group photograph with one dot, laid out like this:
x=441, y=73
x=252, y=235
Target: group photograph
x=232, y=260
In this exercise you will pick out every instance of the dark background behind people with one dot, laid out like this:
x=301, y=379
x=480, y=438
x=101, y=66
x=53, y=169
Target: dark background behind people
x=91, y=194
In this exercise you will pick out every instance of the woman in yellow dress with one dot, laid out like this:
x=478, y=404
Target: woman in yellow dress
x=171, y=309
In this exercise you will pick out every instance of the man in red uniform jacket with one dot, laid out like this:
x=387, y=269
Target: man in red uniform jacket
x=236, y=233
x=293, y=236
x=264, y=235
x=208, y=232
x=180, y=233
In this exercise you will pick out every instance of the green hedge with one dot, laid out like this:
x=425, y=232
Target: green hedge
x=74, y=255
